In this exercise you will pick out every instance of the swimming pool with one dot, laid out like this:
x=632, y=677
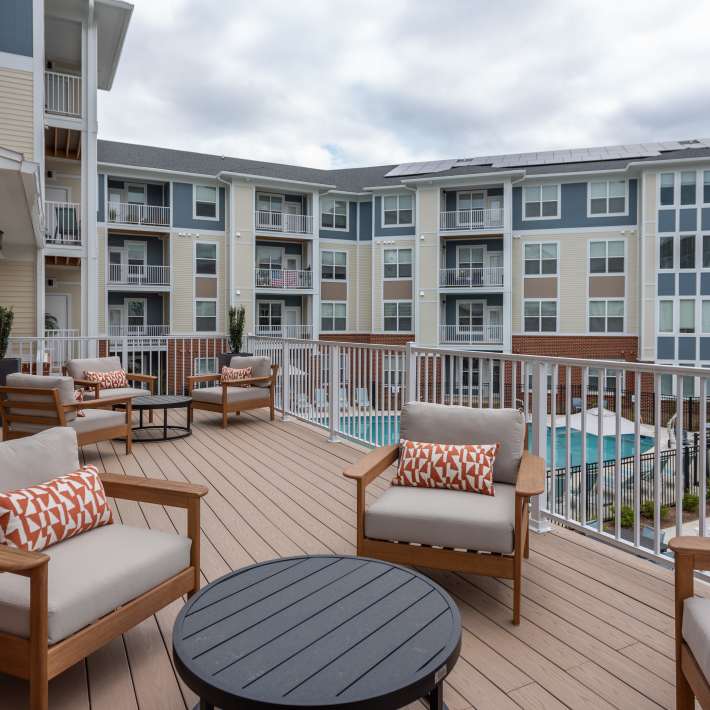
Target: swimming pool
x=384, y=430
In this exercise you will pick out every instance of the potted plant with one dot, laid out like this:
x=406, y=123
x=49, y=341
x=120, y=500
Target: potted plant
x=8, y=365
x=236, y=336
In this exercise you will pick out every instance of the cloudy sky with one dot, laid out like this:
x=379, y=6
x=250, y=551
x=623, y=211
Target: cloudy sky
x=334, y=83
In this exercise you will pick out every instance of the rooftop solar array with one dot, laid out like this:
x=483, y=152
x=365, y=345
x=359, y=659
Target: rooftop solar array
x=550, y=157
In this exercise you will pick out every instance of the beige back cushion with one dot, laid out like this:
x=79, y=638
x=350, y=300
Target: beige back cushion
x=38, y=459
x=443, y=424
x=65, y=385
x=77, y=368
x=260, y=366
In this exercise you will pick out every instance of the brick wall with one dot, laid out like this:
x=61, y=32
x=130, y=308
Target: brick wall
x=373, y=338
x=582, y=346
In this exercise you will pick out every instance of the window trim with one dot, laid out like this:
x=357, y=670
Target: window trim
x=606, y=331
x=347, y=215
x=675, y=244
x=195, y=276
x=334, y=280
x=696, y=182
x=382, y=210
x=696, y=243
x=625, y=213
x=556, y=301
x=411, y=316
x=144, y=188
x=537, y=242
x=606, y=240
x=196, y=369
x=320, y=316
x=459, y=247
x=676, y=189
x=194, y=203
x=701, y=330
x=541, y=185
x=674, y=320
x=703, y=203
x=398, y=277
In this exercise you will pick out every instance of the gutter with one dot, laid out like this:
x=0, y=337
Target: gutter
x=261, y=178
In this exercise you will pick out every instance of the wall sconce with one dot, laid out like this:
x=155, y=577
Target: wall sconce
x=421, y=293
x=237, y=293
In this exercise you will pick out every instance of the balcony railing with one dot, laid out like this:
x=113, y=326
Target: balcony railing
x=62, y=225
x=283, y=278
x=62, y=94
x=144, y=215
x=283, y=222
x=471, y=277
x=471, y=334
x=138, y=331
x=302, y=332
x=139, y=275
x=471, y=220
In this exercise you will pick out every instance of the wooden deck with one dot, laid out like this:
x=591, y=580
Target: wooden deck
x=597, y=627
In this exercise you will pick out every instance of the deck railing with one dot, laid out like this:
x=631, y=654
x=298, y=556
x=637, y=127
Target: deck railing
x=471, y=277
x=139, y=275
x=472, y=220
x=62, y=223
x=471, y=334
x=283, y=278
x=62, y=94
x=302, y=331
x=271, y=221
x=138, y=214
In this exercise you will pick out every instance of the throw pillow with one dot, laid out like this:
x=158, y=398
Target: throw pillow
x=234, y=374
x=79, y=397
x=113, y=379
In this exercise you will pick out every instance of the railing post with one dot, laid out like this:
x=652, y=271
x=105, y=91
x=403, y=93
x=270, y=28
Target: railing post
x=538, y=521
x=285, y=380
x=334, y=393
x=124, y=348
x=411, y=365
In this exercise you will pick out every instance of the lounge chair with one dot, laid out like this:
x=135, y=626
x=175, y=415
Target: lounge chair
x=362, y=398
x=321, y=399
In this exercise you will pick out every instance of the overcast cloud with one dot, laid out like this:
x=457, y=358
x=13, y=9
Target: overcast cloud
x=340, y=84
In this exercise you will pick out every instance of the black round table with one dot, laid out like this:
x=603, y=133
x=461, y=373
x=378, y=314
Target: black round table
x=164, y=402
x=321, y=631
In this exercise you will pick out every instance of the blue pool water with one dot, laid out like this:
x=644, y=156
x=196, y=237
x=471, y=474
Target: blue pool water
x=385, y=430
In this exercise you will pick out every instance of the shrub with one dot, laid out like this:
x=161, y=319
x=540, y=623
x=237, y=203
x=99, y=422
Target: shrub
x=6, y=317
x=648, y=510
x=627, y=516
x=690, y=502
x=236, y=328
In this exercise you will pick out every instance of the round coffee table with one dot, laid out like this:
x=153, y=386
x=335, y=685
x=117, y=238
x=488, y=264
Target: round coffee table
x=321, y=631
x=164, y=402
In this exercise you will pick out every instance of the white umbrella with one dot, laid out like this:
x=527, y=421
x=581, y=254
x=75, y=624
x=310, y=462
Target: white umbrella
x=608, y=422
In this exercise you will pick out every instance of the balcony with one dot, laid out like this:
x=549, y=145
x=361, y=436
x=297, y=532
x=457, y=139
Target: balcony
x=472, y=277
x=300, y=332
x=471, y=220
x=62, y=224
x=138, y=275
x=269, y=221
x=138, y=331
x=283, y=278
x=138, y=214
x=62, y=94
x=471, y=335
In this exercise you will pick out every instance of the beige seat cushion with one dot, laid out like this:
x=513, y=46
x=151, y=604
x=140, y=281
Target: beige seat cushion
x=38, y=459
x=92, y=574
x=97, y=419
x=64, y=385
x=696, y=631
x=118, y=392
x=77, y=368
x=213, y=395
x=445, y=518
x=444, y=424
x=260, y=366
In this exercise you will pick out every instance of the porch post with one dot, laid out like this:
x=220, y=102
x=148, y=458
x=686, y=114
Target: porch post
x=285, y=380
x=538, y=520
x=411, y=365
x=334, y=392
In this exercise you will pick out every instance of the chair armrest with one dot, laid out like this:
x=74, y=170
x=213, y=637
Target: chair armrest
x=137, y=377
x=370, y=466
x=531, y=476
x=201, y=378
x=20, y=561
x=248, y=381
x=151, y=490
x=690, y=544
x=89, y=385
x=99, y=403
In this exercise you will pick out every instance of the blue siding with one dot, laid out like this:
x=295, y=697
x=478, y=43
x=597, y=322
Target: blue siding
x=182, y=209
x=289, y=248
x=16, y=27
x=573, y=210
x=686, y=285
x=352, y=226
x=705, y=284
x=381, y=231
x=102, y=200
x=686, y=348
x=491, y=299
x=365, y=222
x=665, y=348
x=666, y=284
x=704, y=349
x=154, y=250
x=450, y=260
x=289, y=299
x=154, y=304
x=666, y=220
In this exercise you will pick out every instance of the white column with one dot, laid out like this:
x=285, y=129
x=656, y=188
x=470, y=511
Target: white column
x=315, y=266
x=38, y=146
x=507, y=266
x=538, y=521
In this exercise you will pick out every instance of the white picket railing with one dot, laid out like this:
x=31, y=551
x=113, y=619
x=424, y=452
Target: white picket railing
x=62, y=93
x=302, y=331
x=283, y=222
x=283, y=278
x=142, y=331
x=471, y=220
x=471, y=334
x=62, y=223
x=131, y=213
x=471, y=277
x=139, y=275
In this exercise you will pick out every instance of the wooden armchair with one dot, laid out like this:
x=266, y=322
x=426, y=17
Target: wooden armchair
x=91, y=588
x=448, y=529
x=692, y=624
x=33, y=403
x=252, y=393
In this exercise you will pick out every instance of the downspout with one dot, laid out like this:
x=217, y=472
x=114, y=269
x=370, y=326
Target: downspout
x=230, y=237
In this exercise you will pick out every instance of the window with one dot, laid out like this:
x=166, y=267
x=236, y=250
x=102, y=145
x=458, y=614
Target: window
x=665, y=253
x=269, y=203
x=686, y=315
x=665, y=316
x=541, y=201
x=206, y=316
x=687, y=187
x=398, y=210
x=333, y=265
x=204, y=366
x=135, y=314
x=540, y=316
x=470, y=257
x=607, y=197
x=393, y=370
x=667, y=191
x=606, y=257
x=541, y=259
x=270, y=316
x=686, y=251
x=136, y=194
x=268, y=257
x=666, y=385
x=706, y=317
x=206, y=259
x=398, y=316
x=706, y=251
x=706, y=187
x=609, y=381
x=606, y=316
x=332, y=315
x=333, y=213
x=398, y=263
x=205, y=206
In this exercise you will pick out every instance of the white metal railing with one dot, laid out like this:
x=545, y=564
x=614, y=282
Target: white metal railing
x=62, y=223
x=131, y=213
x=139, y=275
x=283, y=278
x=302, y=331
x=471, y=220
x=283, y=222
x=142, y=331
x=471, y=277
x=62, y=93
x=471, y=334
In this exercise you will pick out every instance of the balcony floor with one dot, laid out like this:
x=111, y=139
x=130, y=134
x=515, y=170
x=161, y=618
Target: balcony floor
x=597, y=628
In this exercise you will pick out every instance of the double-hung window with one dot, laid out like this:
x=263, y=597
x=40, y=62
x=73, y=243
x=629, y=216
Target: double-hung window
x=333, y=213
x=706, y=187
x=541, y=201
x=686, y=315
x=398, y=316
x=667, y=190
x=705, y=317
x=333, y=315
x=665, y=316
x=606, y=257
x=540, y=316
x=333, y=266
x=206, y=316
x=688, y=179
x=665, y=252
x=136, y=194
x=686, y=251
x=606, y=316
x=206, y=259
x=398, y=210
x=206, y=275
x=541, y=259
x=607, y=197
x=205, y=206
x=706, y=251
x=397, y=263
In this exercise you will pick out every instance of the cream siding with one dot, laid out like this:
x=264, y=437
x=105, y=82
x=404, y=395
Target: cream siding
x=647, y=270
x=102, y=314
x=364, y=286
x=377, y=288
x=67, y=280
x=351, y=250
x=18, y=289
x=16, y=111
x=244, y=255
x=426, y=263
x=183, y=285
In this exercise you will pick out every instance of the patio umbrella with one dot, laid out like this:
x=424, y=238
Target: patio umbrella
x=608, y=422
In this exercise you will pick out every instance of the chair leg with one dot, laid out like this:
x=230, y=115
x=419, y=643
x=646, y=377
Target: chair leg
x=526, y=552
x=224, y=419
x=129, y=440
x=684, y=698
x=39, y=679
x=150, y=416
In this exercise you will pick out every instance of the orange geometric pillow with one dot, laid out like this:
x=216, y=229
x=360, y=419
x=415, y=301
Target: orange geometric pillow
x=460, y=467
x=79, y=397
x=234, y=374
x=113, y=379
x=39, y=516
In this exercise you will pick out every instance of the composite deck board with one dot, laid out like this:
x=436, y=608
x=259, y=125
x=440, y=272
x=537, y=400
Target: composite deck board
x=597, y=626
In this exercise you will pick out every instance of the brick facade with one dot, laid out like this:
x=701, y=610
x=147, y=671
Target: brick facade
x=605, y=347
x=370, y=338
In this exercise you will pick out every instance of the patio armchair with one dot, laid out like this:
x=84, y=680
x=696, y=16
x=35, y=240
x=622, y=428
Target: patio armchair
x=448, y=529
x=33, y=403
x=225, y=397
x=81, y=593
x=692, y=624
